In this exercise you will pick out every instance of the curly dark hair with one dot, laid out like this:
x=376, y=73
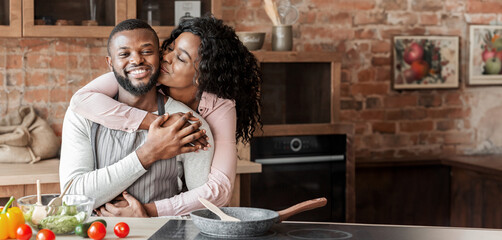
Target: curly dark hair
x=226, y=68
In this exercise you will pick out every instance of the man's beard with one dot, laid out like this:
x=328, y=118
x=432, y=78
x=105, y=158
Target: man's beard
x=139, y=90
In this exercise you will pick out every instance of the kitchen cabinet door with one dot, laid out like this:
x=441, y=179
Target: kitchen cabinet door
x=13, y=190
x=77, y=18
x=160, y=14
x=410, y=195
x=10, y=18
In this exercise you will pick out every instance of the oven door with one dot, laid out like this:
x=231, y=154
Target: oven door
x=288, y=181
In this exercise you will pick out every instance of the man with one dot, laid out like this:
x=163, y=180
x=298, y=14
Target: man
x=103, y=162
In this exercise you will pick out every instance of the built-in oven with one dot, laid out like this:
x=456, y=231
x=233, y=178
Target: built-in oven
x=299, y=168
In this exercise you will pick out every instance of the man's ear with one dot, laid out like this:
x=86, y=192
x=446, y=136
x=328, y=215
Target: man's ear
x=109, y=62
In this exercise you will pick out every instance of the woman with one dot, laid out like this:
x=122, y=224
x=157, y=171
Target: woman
x=206, y=67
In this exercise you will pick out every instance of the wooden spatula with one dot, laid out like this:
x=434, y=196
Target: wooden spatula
x=216, y=210
x=39, y=212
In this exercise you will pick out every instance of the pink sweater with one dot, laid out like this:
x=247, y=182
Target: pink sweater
x=94, y=102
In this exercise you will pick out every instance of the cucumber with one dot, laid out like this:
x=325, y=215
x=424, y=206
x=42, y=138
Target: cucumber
x=99, y=220
x=81, y=229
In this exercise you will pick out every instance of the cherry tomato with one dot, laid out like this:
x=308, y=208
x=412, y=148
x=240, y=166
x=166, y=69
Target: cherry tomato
x=23, y=232
x=97, y=230
x=121, y=229
x=45, y=234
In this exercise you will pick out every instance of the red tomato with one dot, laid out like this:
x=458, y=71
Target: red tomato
x=23, y=232
x=45, y=234
x=97, y=230
x=121, y=229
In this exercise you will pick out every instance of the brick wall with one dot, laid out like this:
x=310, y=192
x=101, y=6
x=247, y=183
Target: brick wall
x=393, y=123
x=46, y=72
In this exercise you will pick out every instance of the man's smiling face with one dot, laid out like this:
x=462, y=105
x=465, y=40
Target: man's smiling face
x=134, y=58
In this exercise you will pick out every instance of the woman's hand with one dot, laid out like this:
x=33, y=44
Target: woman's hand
x=123, y=206
x=202, y=141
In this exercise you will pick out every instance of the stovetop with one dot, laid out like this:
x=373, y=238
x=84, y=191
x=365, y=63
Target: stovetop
x=185, y=229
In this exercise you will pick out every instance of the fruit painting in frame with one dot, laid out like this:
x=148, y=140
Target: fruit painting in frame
x=425, y=62
x=485, y=56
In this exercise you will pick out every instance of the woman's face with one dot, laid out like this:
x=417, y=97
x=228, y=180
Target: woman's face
x=179, y=62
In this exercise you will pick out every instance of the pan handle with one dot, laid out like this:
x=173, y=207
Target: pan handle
x=301, y=207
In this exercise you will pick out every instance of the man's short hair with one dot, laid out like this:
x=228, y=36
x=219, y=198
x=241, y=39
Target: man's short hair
x=130, y=24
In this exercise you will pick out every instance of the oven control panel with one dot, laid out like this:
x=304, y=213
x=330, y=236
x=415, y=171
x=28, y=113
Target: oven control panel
x=298, y=145
x=295, y=144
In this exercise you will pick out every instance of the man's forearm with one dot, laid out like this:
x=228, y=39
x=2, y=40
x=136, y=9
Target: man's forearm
x=106, y=183
x=145, y=157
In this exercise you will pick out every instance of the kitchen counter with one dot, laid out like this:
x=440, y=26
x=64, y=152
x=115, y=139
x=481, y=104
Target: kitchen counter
x=19, y=179
x=47, y=171
x=143, y=228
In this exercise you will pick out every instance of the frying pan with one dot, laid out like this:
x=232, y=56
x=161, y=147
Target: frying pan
x=254, y=221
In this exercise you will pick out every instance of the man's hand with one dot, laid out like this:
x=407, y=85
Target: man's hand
x=200, y=143
x=127, y=206
x=167, y=142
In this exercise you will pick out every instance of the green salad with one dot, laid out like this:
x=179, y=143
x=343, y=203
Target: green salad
x=64, y=221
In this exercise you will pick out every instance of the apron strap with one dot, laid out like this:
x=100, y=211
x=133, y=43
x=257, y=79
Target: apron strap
x=160, y=105
x=94, y=131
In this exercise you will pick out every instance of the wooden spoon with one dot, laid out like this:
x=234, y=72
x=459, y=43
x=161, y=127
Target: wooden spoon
x=216, y=210
x=57, y=201
x=39, y=212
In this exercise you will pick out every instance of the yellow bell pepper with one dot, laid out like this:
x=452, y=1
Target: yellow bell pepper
x=10, y=220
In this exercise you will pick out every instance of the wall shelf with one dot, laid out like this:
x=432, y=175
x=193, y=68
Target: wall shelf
x=300, y=93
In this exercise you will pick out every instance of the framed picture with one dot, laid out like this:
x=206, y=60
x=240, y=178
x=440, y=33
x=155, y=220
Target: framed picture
x=485, y=57
x=425, y=62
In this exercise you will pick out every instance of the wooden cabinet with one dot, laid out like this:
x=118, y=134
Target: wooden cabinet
x=301, y=96
x=60, y=18
x=475, y=199
x=411, y=195
x=19, y=191
x=165, y=22
x=300, y=92
x=80, y=18
x=457, y=191
x=10, y=18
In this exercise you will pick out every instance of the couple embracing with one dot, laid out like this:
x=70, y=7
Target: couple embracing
x=160, y=130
